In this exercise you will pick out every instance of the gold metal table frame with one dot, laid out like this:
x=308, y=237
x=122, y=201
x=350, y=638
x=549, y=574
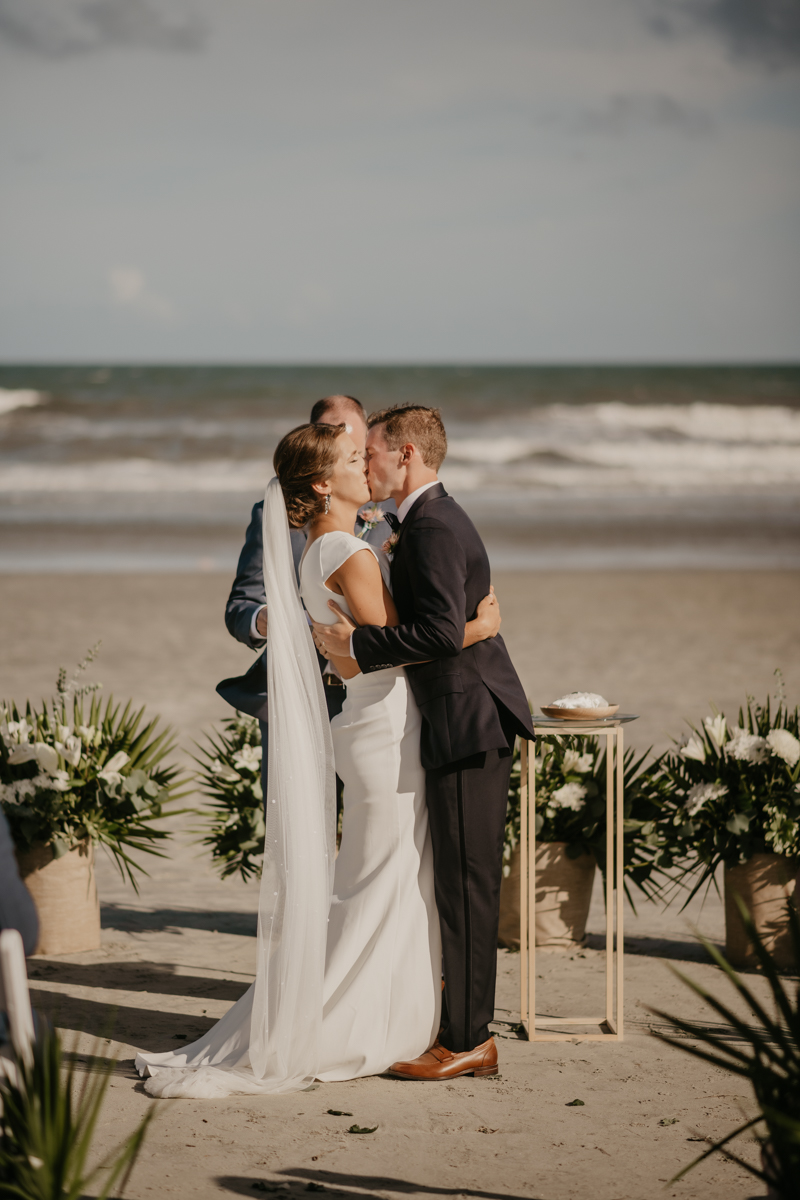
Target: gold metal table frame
x=609, y=1026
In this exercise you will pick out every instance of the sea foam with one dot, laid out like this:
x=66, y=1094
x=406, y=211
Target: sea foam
x=11, y=398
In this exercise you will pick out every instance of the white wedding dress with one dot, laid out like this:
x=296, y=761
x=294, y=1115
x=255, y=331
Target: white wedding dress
x=382, y=991
x=349, y=953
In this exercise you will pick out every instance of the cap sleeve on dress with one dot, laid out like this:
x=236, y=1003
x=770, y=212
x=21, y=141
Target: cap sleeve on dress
x=336, y=548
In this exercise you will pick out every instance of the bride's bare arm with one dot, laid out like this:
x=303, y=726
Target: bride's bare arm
x=359, y=580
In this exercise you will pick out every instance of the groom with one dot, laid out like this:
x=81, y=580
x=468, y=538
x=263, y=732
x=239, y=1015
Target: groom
x=472, y=705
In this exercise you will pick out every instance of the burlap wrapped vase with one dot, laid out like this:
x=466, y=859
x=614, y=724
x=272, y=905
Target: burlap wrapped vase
x=65, y=893
x=563, y=897
x=765, y=883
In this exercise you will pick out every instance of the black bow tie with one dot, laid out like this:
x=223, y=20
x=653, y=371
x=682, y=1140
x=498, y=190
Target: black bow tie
x=392, y=521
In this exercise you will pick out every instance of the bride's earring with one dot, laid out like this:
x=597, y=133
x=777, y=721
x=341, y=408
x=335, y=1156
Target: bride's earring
x=327, y=504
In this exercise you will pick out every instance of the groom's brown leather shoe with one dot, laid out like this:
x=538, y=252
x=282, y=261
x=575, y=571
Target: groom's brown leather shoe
x=441, y=1063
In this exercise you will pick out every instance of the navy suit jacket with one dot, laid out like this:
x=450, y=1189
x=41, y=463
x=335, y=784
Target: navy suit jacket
x=248, y=693
x=471, y=700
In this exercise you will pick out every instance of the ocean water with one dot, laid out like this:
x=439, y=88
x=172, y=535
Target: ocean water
x=155, y=468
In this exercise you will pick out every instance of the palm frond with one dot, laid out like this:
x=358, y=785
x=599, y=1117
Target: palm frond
x=768, y=1055
x=48, y=1127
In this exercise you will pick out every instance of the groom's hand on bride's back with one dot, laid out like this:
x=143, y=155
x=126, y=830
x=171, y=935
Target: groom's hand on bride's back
x=334, y=639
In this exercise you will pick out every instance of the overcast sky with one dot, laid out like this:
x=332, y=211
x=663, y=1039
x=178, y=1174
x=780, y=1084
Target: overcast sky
x=400, y=180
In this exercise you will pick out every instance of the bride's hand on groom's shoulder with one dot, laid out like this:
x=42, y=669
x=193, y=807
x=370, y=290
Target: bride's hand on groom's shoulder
x=488, y=616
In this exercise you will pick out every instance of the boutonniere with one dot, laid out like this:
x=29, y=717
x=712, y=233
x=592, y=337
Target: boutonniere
x=370, y=516
x=389, y=545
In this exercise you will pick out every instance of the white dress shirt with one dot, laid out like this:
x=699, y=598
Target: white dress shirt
x=255, y=636
x=403, y=509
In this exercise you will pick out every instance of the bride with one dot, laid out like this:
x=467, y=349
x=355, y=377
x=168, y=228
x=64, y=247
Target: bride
x=348, y=973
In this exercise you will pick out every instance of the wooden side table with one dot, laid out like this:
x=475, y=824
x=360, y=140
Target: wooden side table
x=609, y=1026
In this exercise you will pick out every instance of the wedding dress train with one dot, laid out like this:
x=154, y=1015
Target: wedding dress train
x=349, y=955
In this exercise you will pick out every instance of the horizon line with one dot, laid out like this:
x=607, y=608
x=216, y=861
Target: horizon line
x=397, y=364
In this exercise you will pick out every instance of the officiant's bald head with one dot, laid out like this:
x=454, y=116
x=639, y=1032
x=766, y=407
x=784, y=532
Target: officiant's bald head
x=342, y=410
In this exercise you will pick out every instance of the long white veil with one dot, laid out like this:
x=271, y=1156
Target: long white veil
x=297, y=878
x=269, y=1040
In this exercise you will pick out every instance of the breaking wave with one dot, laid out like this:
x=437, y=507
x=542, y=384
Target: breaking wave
x=11, y=398
x=605, y=448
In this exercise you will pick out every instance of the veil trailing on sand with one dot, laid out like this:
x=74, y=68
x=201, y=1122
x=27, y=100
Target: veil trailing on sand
x=269, y=1040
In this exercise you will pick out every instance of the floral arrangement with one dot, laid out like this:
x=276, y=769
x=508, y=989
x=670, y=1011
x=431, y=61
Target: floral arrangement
x=571, y=806
x=734, y=790
x=370, y=516
x=230, y=775
x=68, y=773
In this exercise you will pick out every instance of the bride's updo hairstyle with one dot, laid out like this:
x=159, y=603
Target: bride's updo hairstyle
x=303, y=457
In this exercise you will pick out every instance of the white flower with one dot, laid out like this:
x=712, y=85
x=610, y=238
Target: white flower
x=17, y=792
x=578, y=763
x=746, y=747
x=15, y=732
x=70, y=750
x=114, y=763
x=64, y=732
x=47, y=757
x=23, y=753
x=87, y=732
x=8, y=794
x=701, y=793
x=716, y=728
x=248, y=758
x=694, y=748
x=569, y=795
x=224, y=772
x=785, y=745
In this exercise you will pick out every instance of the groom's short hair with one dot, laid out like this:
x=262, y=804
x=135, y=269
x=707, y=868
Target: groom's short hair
x=324, y=406
x=413, y=423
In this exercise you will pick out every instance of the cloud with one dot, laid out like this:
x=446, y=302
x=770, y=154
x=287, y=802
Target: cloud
x=58, y=29
x=762, y=31
x=129, y=289
x=624, y=113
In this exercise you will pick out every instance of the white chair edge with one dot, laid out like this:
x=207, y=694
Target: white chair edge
x=15, y=988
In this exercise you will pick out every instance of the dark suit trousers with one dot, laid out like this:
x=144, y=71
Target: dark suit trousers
x=467, y=813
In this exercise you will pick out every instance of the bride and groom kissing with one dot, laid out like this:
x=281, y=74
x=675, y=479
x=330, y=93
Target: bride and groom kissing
x=381, y=959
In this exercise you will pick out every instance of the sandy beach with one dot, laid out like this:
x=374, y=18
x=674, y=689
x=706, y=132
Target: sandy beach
x=663, y=644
